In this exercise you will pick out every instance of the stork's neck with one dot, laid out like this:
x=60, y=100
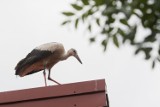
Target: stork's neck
x=65, y=56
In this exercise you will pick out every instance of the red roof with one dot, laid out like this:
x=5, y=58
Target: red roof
x=81, y=94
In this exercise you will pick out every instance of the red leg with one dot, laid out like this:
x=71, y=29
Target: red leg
x=49, y=78
x=44, y=74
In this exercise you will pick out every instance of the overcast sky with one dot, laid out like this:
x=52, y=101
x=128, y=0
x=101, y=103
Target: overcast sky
x=25, y=24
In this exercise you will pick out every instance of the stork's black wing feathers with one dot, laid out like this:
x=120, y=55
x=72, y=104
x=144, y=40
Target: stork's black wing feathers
x=34, y=56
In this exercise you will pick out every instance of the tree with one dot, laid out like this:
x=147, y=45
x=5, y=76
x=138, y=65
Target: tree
x=119, y=21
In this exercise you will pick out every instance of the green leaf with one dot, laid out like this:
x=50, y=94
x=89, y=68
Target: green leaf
x=150, y=38
x=86, y=14
x=110, y=20
x=85, y=2
x=97, y=21
x=123, y=34
x=83, y=17
x=65, y=22
x=75, y=6
x=115, y=40
x=104, y=31
x=99, y=2
x=89, y=27
x=104, y=44
x=124, y=21
x=137, y=51
x=76, y=22
x=153, y=64
x=134, y=31
x=92, y=39
x=68, y=13
x=90, y=12
x=147, y=51
x=110, y=29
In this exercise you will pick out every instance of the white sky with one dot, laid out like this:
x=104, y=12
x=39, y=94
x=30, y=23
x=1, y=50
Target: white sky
x=25, y=24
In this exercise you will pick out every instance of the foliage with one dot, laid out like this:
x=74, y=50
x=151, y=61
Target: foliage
x=120, y=21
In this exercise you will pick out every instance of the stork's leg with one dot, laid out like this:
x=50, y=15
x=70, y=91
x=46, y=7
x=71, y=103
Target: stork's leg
x=44, y=74
x=49, y=78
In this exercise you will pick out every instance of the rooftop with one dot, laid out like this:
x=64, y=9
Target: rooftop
x=81, y=94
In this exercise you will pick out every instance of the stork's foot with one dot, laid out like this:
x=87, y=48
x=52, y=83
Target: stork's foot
x=49, y=78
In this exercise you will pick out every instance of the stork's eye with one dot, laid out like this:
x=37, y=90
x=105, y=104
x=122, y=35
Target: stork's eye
x=74, y=51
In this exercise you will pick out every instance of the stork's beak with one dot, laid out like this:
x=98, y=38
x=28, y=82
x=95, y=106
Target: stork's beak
x=77, y=57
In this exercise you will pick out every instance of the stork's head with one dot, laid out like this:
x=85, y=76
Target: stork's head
x=73, y=52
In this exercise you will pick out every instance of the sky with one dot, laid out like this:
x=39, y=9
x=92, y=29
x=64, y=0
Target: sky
x=25, y=24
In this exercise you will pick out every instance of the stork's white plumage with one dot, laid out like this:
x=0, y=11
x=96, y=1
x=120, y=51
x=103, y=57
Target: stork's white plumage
x=44, y=57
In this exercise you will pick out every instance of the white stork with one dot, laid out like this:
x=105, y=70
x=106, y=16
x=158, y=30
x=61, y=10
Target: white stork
x=44, y=57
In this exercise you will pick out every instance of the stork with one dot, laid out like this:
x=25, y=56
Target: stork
x=44, y=57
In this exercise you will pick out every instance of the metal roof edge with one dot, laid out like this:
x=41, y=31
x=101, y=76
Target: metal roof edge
x=40, y=93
